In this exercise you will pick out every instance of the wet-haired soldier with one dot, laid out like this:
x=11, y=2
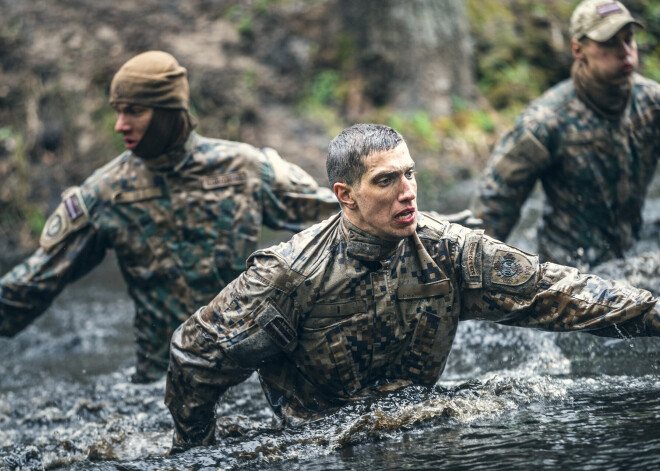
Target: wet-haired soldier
x=593, y=141
x=181, y=211
x=371, y=299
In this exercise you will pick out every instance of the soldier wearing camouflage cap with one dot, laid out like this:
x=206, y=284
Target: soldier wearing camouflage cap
x=181, y=211
x=593, y=142
x=370, y=300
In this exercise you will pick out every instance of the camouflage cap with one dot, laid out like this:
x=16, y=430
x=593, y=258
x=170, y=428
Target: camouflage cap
x=152, y=78
x=599, y=19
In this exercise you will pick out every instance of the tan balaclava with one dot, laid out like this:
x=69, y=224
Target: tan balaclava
x=155, y=79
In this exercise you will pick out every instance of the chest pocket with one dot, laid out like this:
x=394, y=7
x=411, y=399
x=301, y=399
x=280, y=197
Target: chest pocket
x=427, y=309
x=335, y=346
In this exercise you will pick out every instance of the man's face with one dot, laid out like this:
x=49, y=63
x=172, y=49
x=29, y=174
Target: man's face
x=386, y=196
x=614, y=60
x=132, y=122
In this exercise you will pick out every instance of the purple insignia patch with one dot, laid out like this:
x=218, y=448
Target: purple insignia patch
x=73, y=209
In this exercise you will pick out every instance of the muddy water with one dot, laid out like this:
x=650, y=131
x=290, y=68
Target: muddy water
x=509, y=399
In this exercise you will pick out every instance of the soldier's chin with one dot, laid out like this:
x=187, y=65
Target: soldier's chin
x=406, y=230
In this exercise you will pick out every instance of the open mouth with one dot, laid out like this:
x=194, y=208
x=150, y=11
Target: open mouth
x=405, y=216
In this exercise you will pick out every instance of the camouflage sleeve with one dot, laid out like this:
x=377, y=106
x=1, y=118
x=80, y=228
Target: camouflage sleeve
x=70, y=247
x=249, y=322
x=515, y=165
x=293, y=200
x=505, y=285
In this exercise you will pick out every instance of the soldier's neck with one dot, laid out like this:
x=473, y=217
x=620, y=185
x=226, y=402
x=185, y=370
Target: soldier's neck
x=365, y=246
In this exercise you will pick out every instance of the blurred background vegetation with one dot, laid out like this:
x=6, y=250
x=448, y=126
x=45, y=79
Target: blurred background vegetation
x=282, y=73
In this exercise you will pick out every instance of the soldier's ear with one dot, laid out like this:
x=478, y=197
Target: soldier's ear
x=576, y=49
x=344, y=194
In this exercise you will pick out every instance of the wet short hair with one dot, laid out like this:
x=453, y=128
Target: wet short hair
x=347, y=151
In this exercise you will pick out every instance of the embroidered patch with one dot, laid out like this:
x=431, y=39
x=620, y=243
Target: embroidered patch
x=472, y=260
x=72, y=205
x=280, y=332
x=56, y=226
x=223, y=179
x=608, y=9
x=69, y=216
x=511, y=268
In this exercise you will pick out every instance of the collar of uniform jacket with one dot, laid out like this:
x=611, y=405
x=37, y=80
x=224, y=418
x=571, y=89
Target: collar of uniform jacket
x=175, y=159
x=364, y=246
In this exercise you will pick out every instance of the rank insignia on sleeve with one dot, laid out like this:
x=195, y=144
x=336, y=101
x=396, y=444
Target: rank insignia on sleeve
x=473, y=260
x=73, y=206
x=511, y=268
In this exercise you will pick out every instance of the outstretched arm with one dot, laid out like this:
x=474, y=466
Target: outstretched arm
x=512, y=288
x=70, y=248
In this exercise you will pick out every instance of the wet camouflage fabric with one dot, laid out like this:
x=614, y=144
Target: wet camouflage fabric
x=595, y=174
x=179, y=236
x=336, y=313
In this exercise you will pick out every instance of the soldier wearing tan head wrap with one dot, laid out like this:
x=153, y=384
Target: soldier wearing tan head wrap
x=182, y=213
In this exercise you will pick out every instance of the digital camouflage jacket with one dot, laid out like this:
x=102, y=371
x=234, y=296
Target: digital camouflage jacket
x=179, y=235
x=335, y=312
x=595, y=173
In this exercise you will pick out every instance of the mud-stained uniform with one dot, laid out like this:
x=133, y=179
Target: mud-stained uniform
x=595, y=173
x=336, y=312
x=179, y=235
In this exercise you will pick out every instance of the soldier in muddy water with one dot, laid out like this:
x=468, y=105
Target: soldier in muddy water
x=369, y=300
x=593, y=141
x=181, y=211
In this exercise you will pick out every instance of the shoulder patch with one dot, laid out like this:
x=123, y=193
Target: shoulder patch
x=69, y=216
x=472, y=260
x=511, y=268
x=508, y=268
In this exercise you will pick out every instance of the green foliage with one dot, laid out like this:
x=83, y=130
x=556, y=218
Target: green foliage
x=6, y=133
x=241, y=16
x=323, y=88
x=321, y=100
x=35, y=220
x=484, y=122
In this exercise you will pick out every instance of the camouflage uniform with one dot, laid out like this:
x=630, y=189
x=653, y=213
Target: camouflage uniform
x=179, y=235
x=336, y=312
x=595, y=173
